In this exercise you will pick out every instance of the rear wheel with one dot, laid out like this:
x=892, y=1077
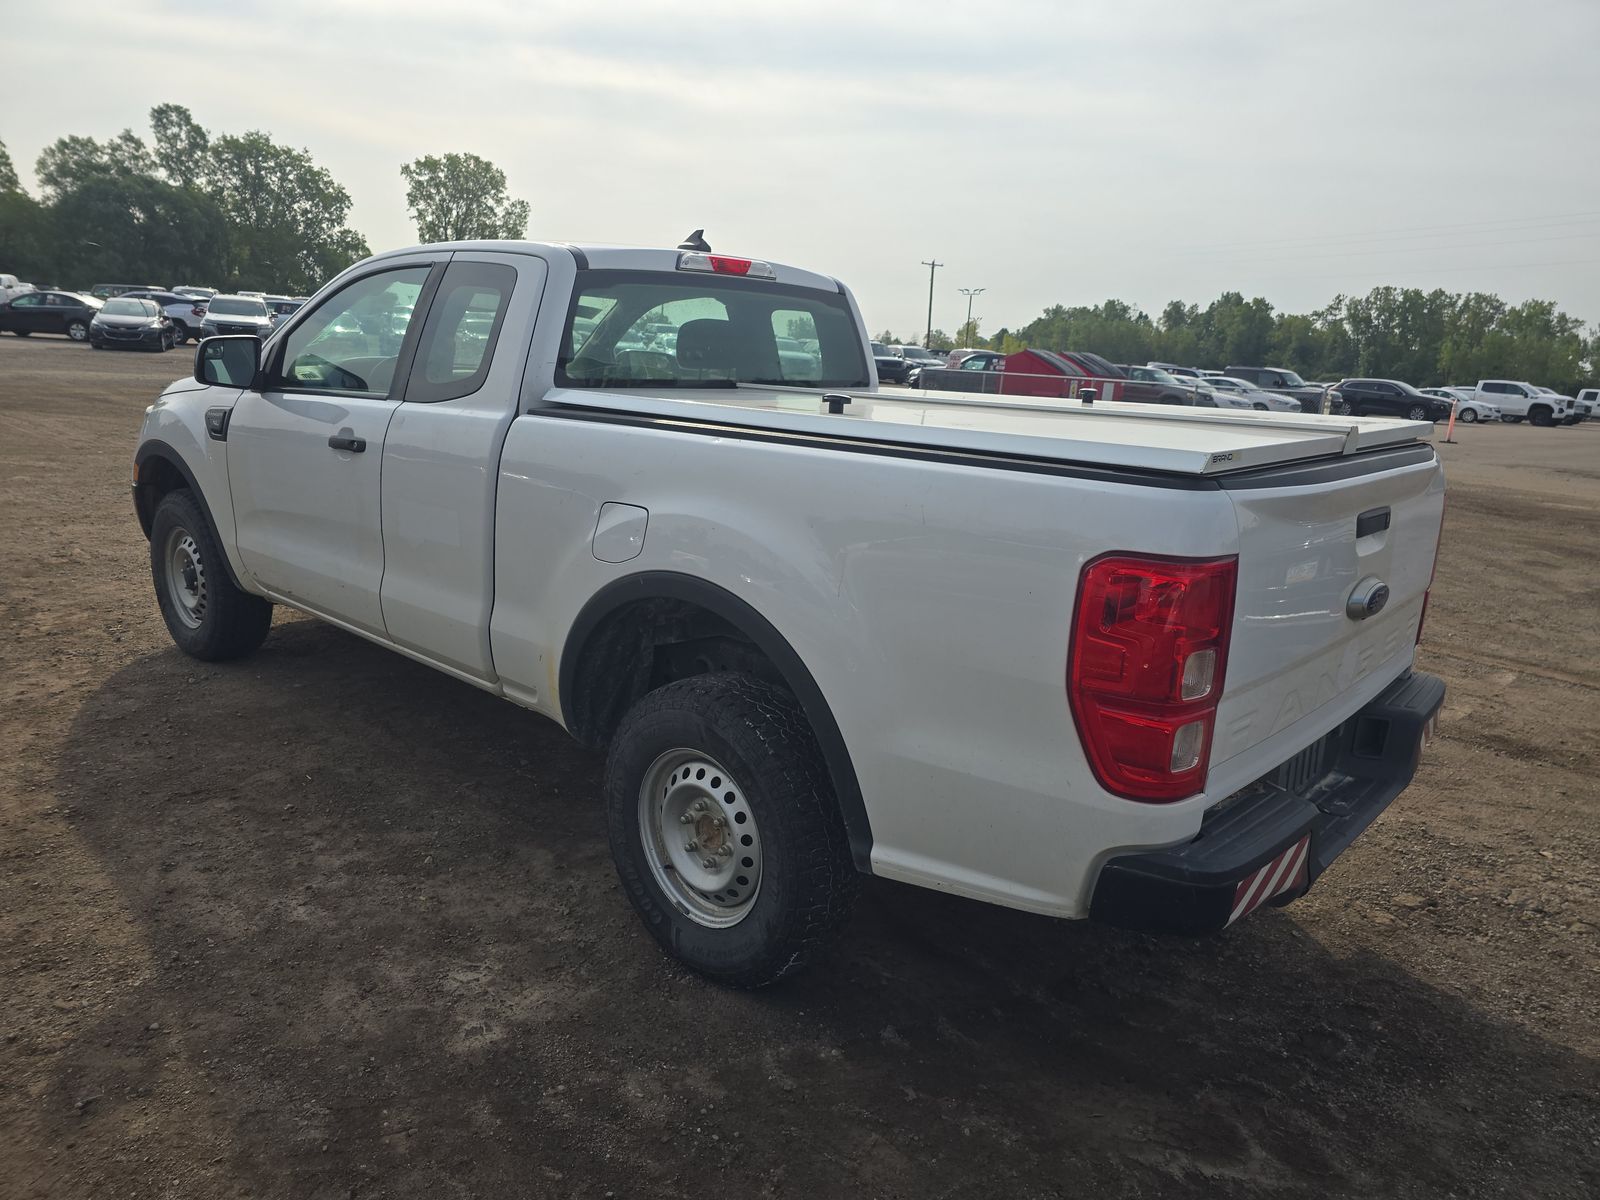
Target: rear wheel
x=207, y=616
x=725, y=830
x=22, y=332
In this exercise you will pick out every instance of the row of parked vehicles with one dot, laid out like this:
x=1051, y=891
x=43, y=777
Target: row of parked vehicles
x=147, y=318
x=1075, y=374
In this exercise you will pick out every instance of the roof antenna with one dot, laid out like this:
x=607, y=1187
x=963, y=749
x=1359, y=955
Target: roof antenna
x=696, y=241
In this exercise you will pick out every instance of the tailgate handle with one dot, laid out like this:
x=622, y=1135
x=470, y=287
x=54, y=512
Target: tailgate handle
x=1374, y=520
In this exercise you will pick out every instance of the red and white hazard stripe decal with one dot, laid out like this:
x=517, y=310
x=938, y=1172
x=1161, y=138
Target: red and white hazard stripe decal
x=1282, y=874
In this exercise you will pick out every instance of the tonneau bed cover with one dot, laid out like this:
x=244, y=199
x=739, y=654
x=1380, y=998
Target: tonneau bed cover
x=1159, y=438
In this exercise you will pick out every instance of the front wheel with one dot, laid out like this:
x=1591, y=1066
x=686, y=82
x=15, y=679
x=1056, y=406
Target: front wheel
x=78, y=331
x=725, y=830
x=1468, y=416
x=1542, y=417
x=22, y=332
x=1417, y=412
x=208, y=617
x=1259, y=407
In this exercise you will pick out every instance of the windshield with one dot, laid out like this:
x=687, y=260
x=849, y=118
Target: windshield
x=236, y=306
x=666, y=329
x=1290, y=379
x=922, y=355
x=1157, y=374
x=128, y=308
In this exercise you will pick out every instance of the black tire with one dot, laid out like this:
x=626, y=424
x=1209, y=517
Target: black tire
x=226, y=623
x=22, y=332
x=1417, y=412
x=1541, y=416
x=1259, y=407
x=1469, y=416
x=756, y=733
x=1511, y=420
x=78, y=331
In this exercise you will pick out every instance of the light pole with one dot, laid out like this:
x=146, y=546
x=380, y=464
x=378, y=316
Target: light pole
x=969, y=293
x=932, y=267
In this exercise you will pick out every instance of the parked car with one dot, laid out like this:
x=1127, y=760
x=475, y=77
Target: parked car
x=199, y=293
x=1241, y=393
x=1283, y=381
x=235, y=314
x=1591, y=397
x=1519, y=400
x=49, y=312
x=1468, y=410
x=282, y=306
x=973, y=371
x=1175, y=369
x=1389, y=398
x=187, y=313
x=11, y=286
x=891, y=367
x=104, y=291
x=766, y=602
x=131, y=323
x=1576, y=412
x=1194, y=390
x=916, y=358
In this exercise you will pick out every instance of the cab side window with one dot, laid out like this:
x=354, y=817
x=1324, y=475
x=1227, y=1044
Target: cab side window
x=350, y=343
x=462, y=328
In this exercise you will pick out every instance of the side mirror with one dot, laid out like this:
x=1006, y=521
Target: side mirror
x=229, y=361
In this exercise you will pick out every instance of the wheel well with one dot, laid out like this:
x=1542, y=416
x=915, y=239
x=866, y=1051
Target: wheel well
x=646, y=644
x=157, y=477
x=646, y=630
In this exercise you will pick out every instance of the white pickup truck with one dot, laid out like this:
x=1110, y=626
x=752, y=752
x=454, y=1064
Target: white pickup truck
x=1147, y=665
x=1517, y=399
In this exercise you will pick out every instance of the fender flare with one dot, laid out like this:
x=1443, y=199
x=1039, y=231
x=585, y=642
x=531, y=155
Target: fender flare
x=155, y=448
x=672, y=585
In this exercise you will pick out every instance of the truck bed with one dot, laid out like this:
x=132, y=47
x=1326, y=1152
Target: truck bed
x=1142, y=437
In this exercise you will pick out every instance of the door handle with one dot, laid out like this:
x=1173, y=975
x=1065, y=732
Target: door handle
x=353, y=444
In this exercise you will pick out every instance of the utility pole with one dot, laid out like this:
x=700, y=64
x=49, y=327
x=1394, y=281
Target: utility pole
x=932, y=267
x=969, y=293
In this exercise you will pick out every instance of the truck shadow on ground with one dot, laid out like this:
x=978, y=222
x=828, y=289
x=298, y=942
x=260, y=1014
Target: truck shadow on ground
x=375, y=911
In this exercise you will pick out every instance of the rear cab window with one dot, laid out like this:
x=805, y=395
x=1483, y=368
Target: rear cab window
x=658, y=329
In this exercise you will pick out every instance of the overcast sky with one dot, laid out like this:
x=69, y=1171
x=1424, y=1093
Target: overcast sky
x=1045, y=151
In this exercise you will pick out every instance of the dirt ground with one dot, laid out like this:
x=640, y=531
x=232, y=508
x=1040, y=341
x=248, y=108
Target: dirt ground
x=327, y=924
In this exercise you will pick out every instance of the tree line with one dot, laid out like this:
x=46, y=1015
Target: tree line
x=1427, y=338
x=219, y=209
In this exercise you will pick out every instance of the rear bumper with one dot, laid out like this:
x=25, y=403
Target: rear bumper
x=1270, y=844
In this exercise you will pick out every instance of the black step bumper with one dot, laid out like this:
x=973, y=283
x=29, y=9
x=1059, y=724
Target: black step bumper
x=1271, y=842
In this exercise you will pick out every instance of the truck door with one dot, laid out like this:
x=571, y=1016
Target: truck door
x=305, y=453
x=441, y=458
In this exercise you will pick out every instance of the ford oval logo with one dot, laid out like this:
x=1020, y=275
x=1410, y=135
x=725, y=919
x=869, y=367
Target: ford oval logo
x=1367, y=599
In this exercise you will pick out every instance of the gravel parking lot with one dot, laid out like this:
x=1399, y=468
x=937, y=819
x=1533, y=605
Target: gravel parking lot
x=328, y=924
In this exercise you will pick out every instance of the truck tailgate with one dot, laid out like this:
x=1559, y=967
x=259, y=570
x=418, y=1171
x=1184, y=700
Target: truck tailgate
x=1298, y=663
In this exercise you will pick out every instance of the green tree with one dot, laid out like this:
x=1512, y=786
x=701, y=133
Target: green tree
x=459, y=197
x=139, y=229
x=182, y=146
x=68, y=162
x=286, y=214
x=8, y=172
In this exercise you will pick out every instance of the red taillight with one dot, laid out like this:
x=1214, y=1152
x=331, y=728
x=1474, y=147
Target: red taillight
x=724, y=265
x=1146, y=667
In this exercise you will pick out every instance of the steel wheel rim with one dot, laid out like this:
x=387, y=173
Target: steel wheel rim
x=692, y=812
x=186, y=578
